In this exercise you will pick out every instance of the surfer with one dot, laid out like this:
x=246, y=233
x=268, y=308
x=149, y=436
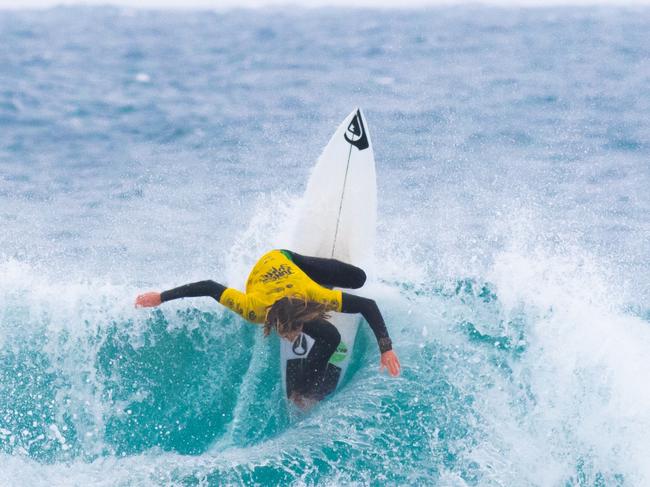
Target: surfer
x=291, y=294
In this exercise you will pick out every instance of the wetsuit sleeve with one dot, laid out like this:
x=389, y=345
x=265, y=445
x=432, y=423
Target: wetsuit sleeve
x=370, y=311
x=195, y=289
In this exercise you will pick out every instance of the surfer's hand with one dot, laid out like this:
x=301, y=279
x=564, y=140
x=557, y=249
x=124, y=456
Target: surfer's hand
x=147, y=300
x=390, y=362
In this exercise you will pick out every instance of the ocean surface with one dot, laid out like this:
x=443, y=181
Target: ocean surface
x=140, y=150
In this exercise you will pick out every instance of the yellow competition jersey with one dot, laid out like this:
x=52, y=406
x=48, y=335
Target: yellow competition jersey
x=274, y=277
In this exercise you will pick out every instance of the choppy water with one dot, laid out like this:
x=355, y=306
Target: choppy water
x=142, y=150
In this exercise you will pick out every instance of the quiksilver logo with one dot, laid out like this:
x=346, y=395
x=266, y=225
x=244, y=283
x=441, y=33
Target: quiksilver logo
x=276, y=273
x=356, y=133
x=299, y=346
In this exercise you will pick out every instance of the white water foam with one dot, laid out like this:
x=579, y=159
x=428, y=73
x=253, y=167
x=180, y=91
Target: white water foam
x=583, y=365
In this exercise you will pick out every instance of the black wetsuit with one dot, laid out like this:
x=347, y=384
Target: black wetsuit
x=329, y=273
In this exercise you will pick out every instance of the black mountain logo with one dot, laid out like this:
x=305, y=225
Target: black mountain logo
x=299, y=346
x=356, y=133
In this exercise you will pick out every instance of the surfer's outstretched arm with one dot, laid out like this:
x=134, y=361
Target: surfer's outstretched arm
x=192, y=290
x=370, y=311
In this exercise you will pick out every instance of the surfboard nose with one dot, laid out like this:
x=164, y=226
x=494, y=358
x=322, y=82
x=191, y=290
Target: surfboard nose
x=356, y=134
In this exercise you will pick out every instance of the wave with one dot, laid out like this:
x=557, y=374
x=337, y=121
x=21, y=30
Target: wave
x=529, y=376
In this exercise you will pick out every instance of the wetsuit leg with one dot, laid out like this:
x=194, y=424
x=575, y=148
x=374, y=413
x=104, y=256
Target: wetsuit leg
x=330, y=272
x=313, y=379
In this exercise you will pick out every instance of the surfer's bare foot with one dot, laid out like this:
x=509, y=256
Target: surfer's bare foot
x=147, y=300
x=302, y=402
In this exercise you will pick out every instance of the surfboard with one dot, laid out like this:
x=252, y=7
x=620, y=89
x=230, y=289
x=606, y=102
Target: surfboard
x=336, y=219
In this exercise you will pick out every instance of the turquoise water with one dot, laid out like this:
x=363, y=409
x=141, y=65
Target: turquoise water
x=142, y=150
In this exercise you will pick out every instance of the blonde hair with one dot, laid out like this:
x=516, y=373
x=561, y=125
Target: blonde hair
x=291, y=313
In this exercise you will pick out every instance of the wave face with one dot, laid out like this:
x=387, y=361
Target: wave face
x=143, y=150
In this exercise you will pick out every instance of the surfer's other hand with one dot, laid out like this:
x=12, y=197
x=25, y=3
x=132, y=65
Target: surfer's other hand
x=390, y=362
x=147, y=300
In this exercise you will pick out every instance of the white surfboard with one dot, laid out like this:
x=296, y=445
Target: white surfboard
x=337, y=219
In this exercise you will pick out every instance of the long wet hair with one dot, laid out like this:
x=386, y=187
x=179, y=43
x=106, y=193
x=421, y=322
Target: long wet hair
x=291, y=313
